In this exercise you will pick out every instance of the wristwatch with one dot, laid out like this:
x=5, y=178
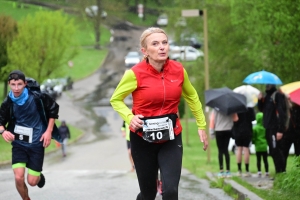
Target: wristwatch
x=1, y=131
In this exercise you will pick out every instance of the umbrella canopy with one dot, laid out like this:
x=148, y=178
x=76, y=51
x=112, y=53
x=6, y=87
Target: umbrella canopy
x=290, y=87
x=262, y=77
x=251, y=93
x=295, y=96
x=225, y=100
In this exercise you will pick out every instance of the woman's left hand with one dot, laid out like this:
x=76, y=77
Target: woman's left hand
x=203, y=139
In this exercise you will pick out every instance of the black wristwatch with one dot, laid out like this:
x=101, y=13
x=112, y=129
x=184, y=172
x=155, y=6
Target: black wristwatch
x=1, y=131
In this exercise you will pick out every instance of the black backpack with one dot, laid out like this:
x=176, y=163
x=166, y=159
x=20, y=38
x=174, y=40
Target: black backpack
x=32, y=85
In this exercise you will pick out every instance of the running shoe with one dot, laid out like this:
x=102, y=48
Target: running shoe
x=259, y=174
x=228, y=175
x=267, y=174
x=248, y=174
x=42, y=181
x=239, y=173
x=221, y=175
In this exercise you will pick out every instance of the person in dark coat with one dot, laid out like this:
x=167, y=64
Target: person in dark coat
x=292, y=135
x=242, y=131
x=65, y=135
x=274, y=118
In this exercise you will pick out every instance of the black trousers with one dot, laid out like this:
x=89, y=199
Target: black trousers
x=148, y=158
x=222, y=138
x=264, y=156
x=276, y=150
x=286, y=145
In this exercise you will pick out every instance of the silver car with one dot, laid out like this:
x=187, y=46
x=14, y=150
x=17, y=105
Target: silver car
x=132, y=58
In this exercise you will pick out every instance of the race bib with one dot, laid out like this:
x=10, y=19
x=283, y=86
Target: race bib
x=23, y=133
x=158, y=130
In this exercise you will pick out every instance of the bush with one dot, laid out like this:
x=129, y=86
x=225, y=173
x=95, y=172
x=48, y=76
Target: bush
x=289, y=183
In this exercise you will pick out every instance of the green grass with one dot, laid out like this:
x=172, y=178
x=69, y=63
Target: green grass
x=86, y=63
x=14, y=10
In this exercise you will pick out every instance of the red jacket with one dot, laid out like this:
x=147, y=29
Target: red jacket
x=158, y=93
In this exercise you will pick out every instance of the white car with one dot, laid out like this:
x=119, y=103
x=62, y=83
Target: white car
x=132, y=58
x=92, y=11
x=185, y=53
x=162, y=20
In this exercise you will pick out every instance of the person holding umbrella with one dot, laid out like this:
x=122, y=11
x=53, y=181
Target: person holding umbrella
x=274, y=108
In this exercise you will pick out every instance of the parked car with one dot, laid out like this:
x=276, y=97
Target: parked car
x=48, y=86
x=181, y=22
x=132, y=58
x=192, y=41
x=92, y=11
x=185, y=53
x=162, y=20
x=66, y=82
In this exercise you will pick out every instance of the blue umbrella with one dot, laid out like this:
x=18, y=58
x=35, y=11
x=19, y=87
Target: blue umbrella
x=262, y=77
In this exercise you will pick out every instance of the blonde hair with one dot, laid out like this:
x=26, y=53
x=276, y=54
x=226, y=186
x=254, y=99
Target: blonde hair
x=148, y=32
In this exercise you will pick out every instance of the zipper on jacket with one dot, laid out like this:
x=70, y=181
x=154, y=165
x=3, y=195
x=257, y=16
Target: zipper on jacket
x=164, y=88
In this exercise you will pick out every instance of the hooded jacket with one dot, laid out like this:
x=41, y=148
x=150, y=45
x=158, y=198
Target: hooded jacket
x=274, y=110
x=259, y=134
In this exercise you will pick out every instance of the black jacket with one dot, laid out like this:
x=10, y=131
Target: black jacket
x=46, y=106
x=243, y=127
x=274, y=112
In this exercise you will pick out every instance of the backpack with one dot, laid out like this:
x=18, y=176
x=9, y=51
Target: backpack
x=33, y=85
x=287, y=108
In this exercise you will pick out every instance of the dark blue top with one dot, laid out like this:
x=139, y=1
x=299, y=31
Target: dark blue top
x=27, y=115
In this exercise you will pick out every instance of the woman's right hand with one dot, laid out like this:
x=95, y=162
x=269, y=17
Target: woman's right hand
x=136, y=123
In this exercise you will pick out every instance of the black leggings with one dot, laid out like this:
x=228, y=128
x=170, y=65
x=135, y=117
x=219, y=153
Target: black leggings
x=264, y=155
x=222, y=138
x=148, y=158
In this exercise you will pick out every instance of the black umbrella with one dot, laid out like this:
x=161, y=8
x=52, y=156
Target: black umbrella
x=225, y=100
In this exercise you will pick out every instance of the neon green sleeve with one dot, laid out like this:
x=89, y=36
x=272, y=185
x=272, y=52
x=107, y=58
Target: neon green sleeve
x=190, y=95
x=126, y=86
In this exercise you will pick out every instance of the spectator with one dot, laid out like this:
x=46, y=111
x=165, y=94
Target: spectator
x=222, y=125
x=65, y=135
x=292, y=135
x=274, y=118
x=242, y=131
x=261, y=145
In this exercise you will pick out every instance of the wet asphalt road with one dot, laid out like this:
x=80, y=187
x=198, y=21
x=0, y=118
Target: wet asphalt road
x=97, y=166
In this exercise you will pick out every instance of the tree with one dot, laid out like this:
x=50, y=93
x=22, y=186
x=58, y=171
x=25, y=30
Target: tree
x=272, y=28
x=8, y=30
x=44, y=45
